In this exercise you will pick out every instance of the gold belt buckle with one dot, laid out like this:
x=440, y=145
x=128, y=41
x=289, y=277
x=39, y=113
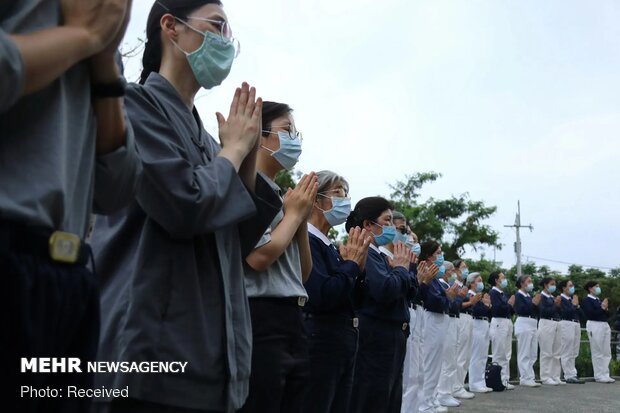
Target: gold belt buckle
x=301, y=301
x=405, y=326
x=356, y=322
x=64, y=247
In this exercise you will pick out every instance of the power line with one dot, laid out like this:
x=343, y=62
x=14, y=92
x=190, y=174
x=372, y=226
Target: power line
x=568, y=263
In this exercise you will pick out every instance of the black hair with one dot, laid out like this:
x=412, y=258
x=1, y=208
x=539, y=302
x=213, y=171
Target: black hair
x=493, y=277
x=546, y=281
x=562, y=284
x=521, y=279
x=151, y=58
x=590, y=284
x=457, y=263
x=428, y=248
x=271, y=112
x=369, y=209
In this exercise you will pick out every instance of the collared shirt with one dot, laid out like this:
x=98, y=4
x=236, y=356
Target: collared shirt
x=524, y=306
x=386, y=251
x=283, y=277
x=547, y=307
x=568, y=310
x=331, y=285
x=499, y=304
x=50, y=175
x=592, y=309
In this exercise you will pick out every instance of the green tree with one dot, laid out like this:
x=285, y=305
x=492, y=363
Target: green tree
x=286, y=179
x=456, y=222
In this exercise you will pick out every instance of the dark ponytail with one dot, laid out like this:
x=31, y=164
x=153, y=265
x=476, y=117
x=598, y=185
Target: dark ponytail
x=367, y=209
x=151, y=58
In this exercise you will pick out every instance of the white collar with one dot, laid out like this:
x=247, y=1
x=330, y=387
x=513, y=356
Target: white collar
x=524, y=294
x=441, y=280
x=497, y=289
x=472, y=292
x=374, y=247
x=315, y=231
x=545, y=294
x=460, y=284
x=386, y=251
x=565, y=296
x=593, y=297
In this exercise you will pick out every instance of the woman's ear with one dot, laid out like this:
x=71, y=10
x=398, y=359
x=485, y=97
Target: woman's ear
x=168, y=25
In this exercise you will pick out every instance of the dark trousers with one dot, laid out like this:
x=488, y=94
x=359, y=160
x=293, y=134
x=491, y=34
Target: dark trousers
x=378, y=381
x=130, y=405
x=332, y=346
x=47, y=310
x=279, y=357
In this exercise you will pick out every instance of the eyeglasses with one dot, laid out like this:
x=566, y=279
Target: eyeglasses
x=340, y=193
x=292, y=134
x=403, y=230
x=225, y=31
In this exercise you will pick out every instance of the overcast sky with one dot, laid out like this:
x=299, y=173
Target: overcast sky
x=509, y=100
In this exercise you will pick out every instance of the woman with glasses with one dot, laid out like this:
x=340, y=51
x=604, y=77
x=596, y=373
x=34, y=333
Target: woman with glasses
x=275, y=272
x=171, y=264
x=436, y=302
x=384, y=314
x=330, y=320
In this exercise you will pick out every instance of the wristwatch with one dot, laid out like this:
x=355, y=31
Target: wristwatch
x=115, y=89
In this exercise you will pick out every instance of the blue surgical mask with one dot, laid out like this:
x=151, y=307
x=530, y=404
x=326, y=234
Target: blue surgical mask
x=597, y=291
x=464, y=274
x=289, y=152
x=503, y=283
x=452, y=279
x=551, y=289
x=400, y=237
x=212, y=61
x=441, y=273
x=571, y=290
x=439, y=260
x=416, y=248
x=387, y=235
x=341, y=208
x=530, y=288
x=479, y=287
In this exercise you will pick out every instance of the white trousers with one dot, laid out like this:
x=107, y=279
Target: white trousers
x=500, y=333
x=435, y=327
x=549, y=337
x=413, y=376
x=599, y=335
x=463, y=351
x=479, y=353
x=570, y=333
x=447, y=380
x=526, y=331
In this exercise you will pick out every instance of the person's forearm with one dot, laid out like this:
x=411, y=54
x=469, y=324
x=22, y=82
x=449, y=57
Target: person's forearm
x=247, y=171
x=262, y=257
x=305, y=255
x=47, y=54
x=111, y=128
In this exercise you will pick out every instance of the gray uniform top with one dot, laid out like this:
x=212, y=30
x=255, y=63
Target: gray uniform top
x=283, y=277
x=49, y=174
x=171, y=265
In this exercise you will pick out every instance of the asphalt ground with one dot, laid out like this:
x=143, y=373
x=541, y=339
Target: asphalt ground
x=571, y=398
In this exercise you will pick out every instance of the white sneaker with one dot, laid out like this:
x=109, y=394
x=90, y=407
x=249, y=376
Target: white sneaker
x=509, y=386
x=550, y=382
x=529, y=384
x=606, y=380
x=480, y=389
x=463, y=394
x=560, y=382
x=441, y=409
x=448, y=401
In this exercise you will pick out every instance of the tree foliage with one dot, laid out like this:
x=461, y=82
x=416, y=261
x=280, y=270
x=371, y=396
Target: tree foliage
x=456, y=222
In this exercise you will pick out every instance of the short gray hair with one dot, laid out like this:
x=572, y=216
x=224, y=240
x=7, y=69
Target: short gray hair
x=472, y=277
x=398, y=215
x=328, y=179
x=448, y=265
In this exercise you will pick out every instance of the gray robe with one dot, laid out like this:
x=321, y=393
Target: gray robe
x=171, y=265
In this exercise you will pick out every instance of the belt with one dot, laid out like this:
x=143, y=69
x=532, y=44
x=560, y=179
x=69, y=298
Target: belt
x=401, y=325
x=57, y=246
x=500, y=316
x=467, y=312
x=355, y=322
x=293, y=301
x=527, y=316
x=453, y=315
x=571, y=319
x=477, y=317
x=550, y=318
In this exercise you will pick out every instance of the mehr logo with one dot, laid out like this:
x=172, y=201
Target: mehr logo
x=51, y=365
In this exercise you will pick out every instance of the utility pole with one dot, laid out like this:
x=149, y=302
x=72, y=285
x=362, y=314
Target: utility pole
x=517, y=225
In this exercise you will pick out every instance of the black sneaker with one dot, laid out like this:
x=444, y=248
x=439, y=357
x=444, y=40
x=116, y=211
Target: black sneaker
x=575, y=380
